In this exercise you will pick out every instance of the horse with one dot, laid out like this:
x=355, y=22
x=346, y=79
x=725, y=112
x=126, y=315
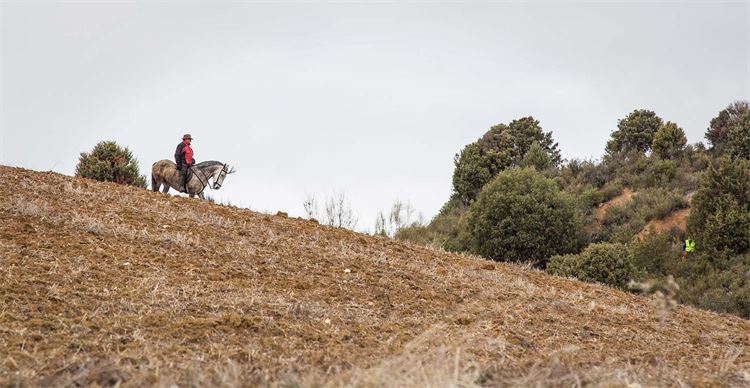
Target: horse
x=165, y=172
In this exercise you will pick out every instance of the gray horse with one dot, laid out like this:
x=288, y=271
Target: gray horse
x=165, y=172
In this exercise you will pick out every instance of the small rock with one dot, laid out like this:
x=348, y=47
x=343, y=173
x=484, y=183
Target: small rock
x=348, y=270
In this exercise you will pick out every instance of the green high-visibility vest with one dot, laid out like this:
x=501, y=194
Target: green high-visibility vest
x=689, y=245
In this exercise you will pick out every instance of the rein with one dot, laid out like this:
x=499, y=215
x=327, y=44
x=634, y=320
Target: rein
x=203, y=183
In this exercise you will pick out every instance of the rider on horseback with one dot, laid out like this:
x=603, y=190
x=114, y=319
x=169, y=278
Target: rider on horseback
x=183, y=157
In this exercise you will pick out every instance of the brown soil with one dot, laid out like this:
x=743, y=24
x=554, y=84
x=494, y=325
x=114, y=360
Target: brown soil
x=675, y=220
x=105, y=284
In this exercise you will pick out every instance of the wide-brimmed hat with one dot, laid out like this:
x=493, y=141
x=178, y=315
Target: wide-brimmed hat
x=187, y=137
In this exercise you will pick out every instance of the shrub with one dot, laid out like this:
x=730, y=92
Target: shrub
x=593, y=174
x=522, y=216
x=656, y=203
x=655, y=251
x=611, y=189
x=417, y=234
x=724, y=288
x=659, y=173
x=605, y=263
x=447, y=230
x=719, y=219
x=589, y=198
x=108, y=162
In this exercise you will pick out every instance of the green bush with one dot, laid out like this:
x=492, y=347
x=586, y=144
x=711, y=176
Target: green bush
x=656, y=203
x=719, y=218
x=589, y=198
x=611, y=189
x=606, y=263
x=657, y=173
x=655, y=251
x=724, y=288
x=108, y=162
x=522, y=216
x=587, y=172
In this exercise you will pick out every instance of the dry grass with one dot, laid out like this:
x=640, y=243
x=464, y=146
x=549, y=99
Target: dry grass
x=118, y=286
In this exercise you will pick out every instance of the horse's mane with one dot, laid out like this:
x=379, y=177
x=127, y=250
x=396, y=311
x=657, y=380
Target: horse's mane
x=209, y=163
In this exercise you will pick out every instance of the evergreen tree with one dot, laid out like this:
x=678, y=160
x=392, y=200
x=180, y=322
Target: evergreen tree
x=501, y=147
x=721, y=125
x=719, y=218
x=635, y=133
x=669, y=141
x=109, y=162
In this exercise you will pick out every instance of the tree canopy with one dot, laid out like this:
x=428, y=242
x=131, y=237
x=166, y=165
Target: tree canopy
x=721, y=125
x=669, y=141
x=635, y=133
x=501, y=147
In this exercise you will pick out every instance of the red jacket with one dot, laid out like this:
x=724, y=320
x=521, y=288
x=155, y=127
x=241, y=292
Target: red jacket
x=183, y=154
x=188, y=154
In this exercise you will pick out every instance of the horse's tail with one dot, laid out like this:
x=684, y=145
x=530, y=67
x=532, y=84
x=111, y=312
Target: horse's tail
x=154, y=186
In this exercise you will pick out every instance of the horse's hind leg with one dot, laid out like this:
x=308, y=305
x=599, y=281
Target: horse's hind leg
x=166, y=188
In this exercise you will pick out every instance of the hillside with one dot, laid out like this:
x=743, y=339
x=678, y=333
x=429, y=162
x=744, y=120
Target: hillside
x=674, y=220
x=111, y=285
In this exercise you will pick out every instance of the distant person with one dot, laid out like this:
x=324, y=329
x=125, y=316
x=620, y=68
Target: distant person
x=183, y=157
x=688, y=247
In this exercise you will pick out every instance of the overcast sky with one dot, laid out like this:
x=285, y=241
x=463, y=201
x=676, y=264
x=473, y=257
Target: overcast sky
x=373, y=99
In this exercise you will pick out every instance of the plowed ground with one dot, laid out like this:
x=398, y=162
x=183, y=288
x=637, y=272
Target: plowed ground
x=112, y=285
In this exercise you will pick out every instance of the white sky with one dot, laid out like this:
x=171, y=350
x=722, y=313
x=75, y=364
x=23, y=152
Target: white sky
x=373, y=99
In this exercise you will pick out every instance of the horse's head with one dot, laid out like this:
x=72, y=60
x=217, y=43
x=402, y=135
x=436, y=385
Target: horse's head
x=219, y=179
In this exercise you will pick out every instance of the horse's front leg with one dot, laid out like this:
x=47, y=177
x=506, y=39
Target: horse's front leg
x=201, y=196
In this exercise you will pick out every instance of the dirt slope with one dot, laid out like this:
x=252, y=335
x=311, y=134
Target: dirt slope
x=106, y=284
x=676, y=220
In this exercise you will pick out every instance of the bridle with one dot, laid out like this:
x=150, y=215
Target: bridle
x=224, y=171
x=204, y=180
